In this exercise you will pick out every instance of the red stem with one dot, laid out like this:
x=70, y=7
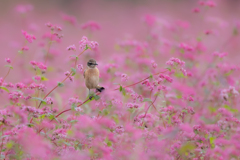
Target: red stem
x=115, y=90
x=149, y=107
x=140, y=81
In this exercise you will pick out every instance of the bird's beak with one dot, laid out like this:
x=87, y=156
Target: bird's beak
x=96, y=64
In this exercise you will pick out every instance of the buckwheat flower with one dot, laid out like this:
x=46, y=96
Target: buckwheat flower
x=197, y=128
x=186, y=47
x=70, y=19
x=146, y=83
x=233, y=91
x=154, y=65
x=48, y=25
x=184, y=71
x=58, y=28
x=224, y=95
x=29, y=37
x=78, y=109
x=71, y=47
x=225, y=112
x=72, y=101
x=20, y=85
x=1, y=81
x=210, y=4
x=169, y=79
x=124, y=77
x=9, y=85
x=42, y=66
x=220, y=55
x=8, y=60
x=34, y=63
x=33, y=86
x=25, y=48
x=129, y=105
x=135, y=105
x=71, y=78
x=80, y=67
x=119, y=129
x=24, y=8
x=91, y=25
x=140, y=98
x=37, y=78
x=49, y=100
x=196, y=10
x=15, y=96
x=66, y=73
x=41, y=87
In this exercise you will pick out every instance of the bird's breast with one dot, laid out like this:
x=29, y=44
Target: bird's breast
x=92, y=78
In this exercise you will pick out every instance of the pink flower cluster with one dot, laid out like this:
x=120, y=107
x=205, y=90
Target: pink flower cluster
x=29, y=37
x=40, y=65
x=91, y=25
x=85, y=43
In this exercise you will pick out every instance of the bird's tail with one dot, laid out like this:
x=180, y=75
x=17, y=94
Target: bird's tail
x=100, y=89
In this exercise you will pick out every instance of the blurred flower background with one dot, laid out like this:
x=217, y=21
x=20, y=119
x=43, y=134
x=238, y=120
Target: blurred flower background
x=170, y=69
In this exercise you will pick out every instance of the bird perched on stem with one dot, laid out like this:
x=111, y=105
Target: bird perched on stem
x=91, y=76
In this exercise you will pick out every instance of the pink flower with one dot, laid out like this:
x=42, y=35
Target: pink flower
x=24, y=8
x=124, y=77
x=8, y=60
x=29, y=37
x=71, y=47
x=49, y=100
x=91, y=25
x=70, y=19
x=80, y=67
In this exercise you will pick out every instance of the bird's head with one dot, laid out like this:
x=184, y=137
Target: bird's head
x=92, y=63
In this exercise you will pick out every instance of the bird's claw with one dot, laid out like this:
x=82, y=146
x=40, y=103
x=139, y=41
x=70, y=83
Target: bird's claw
x=90, y=97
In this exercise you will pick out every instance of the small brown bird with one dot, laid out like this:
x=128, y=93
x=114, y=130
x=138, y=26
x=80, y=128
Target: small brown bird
x=91, y=76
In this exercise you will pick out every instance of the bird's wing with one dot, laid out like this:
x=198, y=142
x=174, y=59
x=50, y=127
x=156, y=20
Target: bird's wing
x=84, y=73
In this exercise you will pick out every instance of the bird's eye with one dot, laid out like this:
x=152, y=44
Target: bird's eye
x=89, y=63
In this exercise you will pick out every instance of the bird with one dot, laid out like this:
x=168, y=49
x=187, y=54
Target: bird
x=91, y=76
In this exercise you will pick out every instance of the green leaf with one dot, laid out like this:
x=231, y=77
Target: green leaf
x=147, y=100
x=121, y=88
x=20, y=52
x=51, y=117
x=73, y=106
x=4, y=88
x=188, y=147
x=151, y=76
x=9, y=145
x=74, y=56
x=73, y=121
x=211, y=140
x=96, y=97
x=44, y=78
x=105, y=112
x=169, y=69
x=39, y=99
x=68, y=144
x=179, y=75
x=124, y=91
x=116, y=119
x=60, y=84
x=8, y=65
x=109, y=143
x=30, y=125
x=42, y=116
x=230, y=109
x=74, y=71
